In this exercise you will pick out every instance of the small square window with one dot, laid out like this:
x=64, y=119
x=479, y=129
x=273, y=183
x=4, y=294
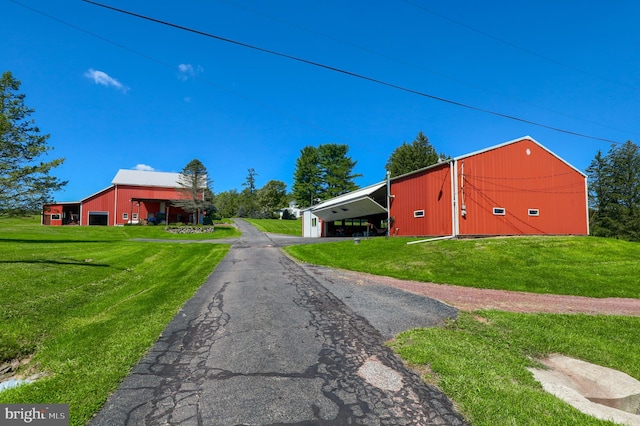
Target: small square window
x=125, y=216
x=418, y=213
x=499, y=211
x=135, y=216
x=534, y=212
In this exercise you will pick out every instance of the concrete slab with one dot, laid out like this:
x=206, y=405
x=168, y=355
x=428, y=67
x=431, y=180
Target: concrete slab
x=588, y=387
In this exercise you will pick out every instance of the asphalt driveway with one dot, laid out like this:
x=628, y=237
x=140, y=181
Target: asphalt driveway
x=267, y=341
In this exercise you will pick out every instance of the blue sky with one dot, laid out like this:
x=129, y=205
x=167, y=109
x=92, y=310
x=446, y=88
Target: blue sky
x=115, y=91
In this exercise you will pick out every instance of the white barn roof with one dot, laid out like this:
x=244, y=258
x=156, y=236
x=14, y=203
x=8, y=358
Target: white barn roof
x=144, y=178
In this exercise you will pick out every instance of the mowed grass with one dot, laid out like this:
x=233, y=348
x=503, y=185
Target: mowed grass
x=85, y=303
x=581, y=266
x=480, y=359
x=276, y=226
x=30, y=229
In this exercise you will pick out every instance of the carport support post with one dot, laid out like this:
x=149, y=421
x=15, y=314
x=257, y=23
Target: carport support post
x=388, y=203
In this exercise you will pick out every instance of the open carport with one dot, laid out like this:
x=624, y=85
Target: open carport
x=349, y=215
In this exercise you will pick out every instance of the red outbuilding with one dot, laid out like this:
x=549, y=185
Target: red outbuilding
x=515, y=188
x=133, y=197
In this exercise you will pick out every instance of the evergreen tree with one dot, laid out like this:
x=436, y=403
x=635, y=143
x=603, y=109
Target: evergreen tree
x=25, y=183
x=322, y=173
x=625, y=182
x=196, y=188
x=249, y=195
x=598, y=174
x=307, y=178
x=414, y=156
x=337, y=170
x=614, y=192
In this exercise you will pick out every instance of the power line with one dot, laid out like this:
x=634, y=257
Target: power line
x=413, y=65
x=349, y=73
x=199, y=78
x=515, y=46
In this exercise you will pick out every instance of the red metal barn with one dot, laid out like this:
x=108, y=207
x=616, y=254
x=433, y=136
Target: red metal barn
x=516, y=188
x=134, y=197
x=420, y=202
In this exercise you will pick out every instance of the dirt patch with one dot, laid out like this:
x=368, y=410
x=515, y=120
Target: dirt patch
x=473, y=299
x=9, y=370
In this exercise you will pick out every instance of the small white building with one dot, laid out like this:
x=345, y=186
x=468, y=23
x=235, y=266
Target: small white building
x=293, y=209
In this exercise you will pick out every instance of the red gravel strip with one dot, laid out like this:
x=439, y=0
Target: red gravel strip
x=471, y=299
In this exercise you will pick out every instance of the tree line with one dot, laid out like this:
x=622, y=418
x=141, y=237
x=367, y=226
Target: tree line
x=614, y=192
x=321, y=172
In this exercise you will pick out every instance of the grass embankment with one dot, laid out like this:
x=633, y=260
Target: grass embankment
x=86, y=304
x=480, y=359
x=580, y=266
x=276, y=226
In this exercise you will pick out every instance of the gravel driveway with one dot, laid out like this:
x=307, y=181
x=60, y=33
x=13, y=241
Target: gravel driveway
x=471, y=299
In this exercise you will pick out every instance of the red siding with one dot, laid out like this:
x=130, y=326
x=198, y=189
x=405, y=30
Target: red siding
x=117, y=205
x=518, y=177
x=430, y=191
x=103, y=201
x=153, y=202
x=52, y=209
x=117, y=200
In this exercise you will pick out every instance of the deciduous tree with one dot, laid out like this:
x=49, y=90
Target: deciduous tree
x=228, y=202
x=25, y=182
x=272, y=196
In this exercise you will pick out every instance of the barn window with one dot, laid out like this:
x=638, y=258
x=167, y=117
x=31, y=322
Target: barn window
x=314, y=222
x=534, y=212
x=499, y=211
x=125, y=216
x=418, y=213
x=135, y=216
x=55, y=216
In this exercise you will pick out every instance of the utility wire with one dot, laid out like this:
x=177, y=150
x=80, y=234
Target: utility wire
x=413, y=65
x=199, y=78
x=349, y=73
x=515, y=46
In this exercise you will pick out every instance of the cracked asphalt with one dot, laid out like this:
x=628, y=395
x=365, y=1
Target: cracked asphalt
x=267, y=341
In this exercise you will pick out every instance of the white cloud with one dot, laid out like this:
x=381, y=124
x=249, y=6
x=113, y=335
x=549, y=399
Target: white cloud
x=187, y=71
x=100, y=77
x=144, y=168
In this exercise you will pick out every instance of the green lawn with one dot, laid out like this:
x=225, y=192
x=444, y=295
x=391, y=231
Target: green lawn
x=30, y=228
x=481, y=365
x=480, y=359
x=582, y=266
x=276, y=226
x=86, y=303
